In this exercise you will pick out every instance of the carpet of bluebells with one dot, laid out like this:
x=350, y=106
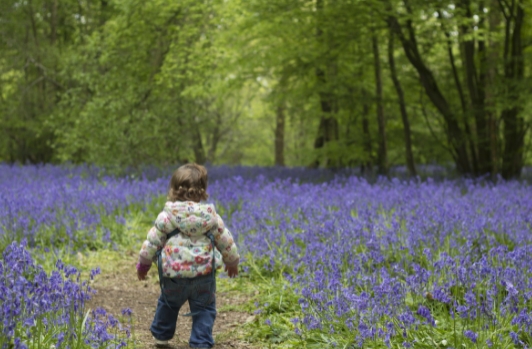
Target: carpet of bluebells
x=49, y=208
x=69, y=207
x=384, y=262
x=391, y=263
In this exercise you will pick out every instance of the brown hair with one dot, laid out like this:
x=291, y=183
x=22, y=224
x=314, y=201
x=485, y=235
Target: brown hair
x=188, y=183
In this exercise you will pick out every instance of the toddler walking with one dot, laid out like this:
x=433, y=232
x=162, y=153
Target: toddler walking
x=188, y=242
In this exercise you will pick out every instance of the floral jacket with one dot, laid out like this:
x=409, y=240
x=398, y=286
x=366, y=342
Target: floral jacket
x=189, y=253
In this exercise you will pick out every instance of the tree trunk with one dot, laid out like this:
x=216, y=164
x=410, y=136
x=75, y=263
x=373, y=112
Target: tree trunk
x=465, y=109
x=475, y=84
x=279, y=136
x=199, y=150
x=53, y=22
x=494, y=20
x=382, y=160
x=428, y=81
x=402, y=106
x=104, y=8
x=366, y=168
x=327, y=132
x=514, y=126
x=215, y=138
x=328, y=127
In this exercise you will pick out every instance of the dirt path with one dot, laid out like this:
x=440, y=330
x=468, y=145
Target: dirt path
x=120, y=289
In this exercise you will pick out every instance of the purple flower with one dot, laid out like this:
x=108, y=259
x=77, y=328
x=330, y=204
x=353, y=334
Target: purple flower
x=355, y=253
x=515, y=338
x=471, y=335
x=95, y=272
x=29, y=295
x=425, y=312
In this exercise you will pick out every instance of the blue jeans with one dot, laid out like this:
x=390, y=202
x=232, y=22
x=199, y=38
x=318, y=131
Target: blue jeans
x=200, y=293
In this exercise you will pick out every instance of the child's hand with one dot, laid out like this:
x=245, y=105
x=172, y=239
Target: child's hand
x=232, y=271
x=142, y=274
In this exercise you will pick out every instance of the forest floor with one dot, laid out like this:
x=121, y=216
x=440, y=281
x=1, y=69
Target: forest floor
x=117, y=288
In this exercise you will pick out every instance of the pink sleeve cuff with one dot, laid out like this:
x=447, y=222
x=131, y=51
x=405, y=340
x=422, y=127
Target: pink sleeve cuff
x=143, y=267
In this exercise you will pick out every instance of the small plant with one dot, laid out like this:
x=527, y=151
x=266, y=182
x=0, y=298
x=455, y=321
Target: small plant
x=43, y=311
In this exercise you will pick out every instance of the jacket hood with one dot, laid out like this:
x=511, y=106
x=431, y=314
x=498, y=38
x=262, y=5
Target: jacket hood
x=191, y=218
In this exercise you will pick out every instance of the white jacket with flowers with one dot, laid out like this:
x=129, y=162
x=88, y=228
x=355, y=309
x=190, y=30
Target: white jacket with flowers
x=189, y=253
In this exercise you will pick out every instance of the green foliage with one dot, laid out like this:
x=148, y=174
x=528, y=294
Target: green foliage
x=129, y=82
x=136, y=91
x=274, y=303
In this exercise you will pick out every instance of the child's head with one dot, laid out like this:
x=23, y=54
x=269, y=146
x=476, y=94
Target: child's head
x=188, y=183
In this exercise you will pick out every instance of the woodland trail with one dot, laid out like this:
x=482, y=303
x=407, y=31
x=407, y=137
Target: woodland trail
x=120, y=289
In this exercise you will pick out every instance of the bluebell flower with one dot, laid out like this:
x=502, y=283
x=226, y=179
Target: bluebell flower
x=425, y=312
x=471, y=335
x=515, y=338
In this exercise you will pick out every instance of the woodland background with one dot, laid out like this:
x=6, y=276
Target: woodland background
x=322, y=83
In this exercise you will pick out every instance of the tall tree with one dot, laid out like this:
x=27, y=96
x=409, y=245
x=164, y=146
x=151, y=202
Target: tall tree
x=157, y=79
x=382, y=159
x=366, y=166
x=479, y=67
x=280, y=122
x=33, y=35
x=128, y=82
x=407, y=36
x=514, y=69
x=402, y=107
x=328, y=126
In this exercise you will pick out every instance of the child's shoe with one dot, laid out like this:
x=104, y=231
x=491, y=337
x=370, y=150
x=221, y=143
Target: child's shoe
x=161, y=344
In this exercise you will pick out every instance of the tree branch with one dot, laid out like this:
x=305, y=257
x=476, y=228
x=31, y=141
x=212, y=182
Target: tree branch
x=424, y=112
x=503, y=3
x=453, y=65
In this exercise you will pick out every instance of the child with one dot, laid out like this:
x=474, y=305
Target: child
x=182, y=242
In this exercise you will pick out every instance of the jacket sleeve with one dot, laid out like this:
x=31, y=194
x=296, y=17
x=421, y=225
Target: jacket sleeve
x=156, y=238
x=224, y=242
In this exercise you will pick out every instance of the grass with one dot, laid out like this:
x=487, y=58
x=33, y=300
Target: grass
x=262, y=295
x=264, y=298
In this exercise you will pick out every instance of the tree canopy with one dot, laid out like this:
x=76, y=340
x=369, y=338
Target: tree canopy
x=319, y=83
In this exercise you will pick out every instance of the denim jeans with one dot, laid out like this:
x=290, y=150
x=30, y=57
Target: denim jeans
x=200, y=293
